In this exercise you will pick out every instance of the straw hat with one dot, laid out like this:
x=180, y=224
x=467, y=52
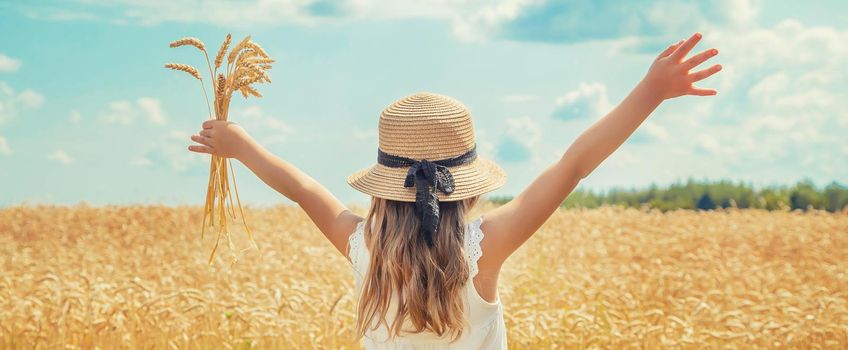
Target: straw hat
x=427, y=126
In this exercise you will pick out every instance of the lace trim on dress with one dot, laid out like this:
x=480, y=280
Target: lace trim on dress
x=472, y=246
x=355, y=243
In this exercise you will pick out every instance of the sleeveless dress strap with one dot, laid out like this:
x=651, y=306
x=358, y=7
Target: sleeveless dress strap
x=473, y=252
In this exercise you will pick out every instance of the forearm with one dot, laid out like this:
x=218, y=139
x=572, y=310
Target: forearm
x=280, y=175
x=330, y=216
x=226, y=139
x=600, y=140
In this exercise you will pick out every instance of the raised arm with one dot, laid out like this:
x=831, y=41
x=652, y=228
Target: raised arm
x=227, y=139
x=510, y=225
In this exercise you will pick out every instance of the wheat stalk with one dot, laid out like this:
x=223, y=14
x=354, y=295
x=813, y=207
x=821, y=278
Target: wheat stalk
x=247, y=62
x=193, y=71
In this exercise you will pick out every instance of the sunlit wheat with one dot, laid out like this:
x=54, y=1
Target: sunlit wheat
x=136, y=277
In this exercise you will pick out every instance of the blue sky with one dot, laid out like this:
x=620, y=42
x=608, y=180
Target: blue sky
x=87, y=113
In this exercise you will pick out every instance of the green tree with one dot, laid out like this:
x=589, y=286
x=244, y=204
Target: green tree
x=706, y=202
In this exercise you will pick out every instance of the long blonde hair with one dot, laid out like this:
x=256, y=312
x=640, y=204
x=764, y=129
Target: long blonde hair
x=428, y=281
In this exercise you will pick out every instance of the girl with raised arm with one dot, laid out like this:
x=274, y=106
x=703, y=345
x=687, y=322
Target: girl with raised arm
x=425, y=277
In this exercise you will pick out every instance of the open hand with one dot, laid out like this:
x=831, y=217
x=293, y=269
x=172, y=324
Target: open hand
x=669, y=73
x=221, y=138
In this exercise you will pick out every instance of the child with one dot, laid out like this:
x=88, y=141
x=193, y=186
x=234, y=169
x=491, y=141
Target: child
x=426, y=278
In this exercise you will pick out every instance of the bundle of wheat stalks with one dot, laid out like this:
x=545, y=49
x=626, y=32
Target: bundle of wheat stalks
x=247, y=64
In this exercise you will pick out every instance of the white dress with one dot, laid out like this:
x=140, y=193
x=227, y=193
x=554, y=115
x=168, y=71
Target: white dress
x=487, y=331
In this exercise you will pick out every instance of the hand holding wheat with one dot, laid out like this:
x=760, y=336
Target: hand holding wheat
x=246, y=64
x=221, y=138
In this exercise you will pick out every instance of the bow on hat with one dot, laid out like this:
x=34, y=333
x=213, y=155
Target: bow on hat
x=427, y=177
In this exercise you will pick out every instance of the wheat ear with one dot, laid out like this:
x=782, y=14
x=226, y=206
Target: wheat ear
x=235, y=51
x=185, y=68
x=260, y=60
x=220, y=90
x=247, y=89
x=245, y=82
x=257, y=48
x=219, y=58
x=189, y=41
x=199, y=45
x=246, y=65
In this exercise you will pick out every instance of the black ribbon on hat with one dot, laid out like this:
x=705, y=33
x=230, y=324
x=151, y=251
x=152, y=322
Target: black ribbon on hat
x=428, y=176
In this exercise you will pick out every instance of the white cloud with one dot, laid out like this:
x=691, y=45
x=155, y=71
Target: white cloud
x=482, y=24
x=5, y=150
x=765, y=90
x=769, y=123
x=11, y=102
x=31, y=98
x=624, y=159
x=153, y=12
x=119, y=112
x=710, y=144
x=656, y=132
x=519, y=98
x=524, y=128
x=521, y=140
x=8, y=64
x=809, y=98
x=471, y=19
x=789, y=47
x=125, y=112
x=170, y=150
x=364, y=135
x=267, y=129
x=61, y=157
x=588, y=100
x=485, y=146
x=742, y=12
x=152, y=109
x=780, y=100
x=74, y=117
x=141, y=162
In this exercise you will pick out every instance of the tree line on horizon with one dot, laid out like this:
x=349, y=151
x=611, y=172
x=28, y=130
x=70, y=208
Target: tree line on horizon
x=710, y=195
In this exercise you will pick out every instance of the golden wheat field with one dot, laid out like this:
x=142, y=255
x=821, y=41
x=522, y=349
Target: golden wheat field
x=136, y=277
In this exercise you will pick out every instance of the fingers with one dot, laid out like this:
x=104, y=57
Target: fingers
x=670, y=49
x=205, y=132
x=208, y=124
x=687, y=46
x=202, y=140
x=704, y=73
x=696, y=60
x=701, y=91
x=200, y=149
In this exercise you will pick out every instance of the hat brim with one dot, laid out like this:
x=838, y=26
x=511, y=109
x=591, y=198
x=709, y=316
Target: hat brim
x=472, y=179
